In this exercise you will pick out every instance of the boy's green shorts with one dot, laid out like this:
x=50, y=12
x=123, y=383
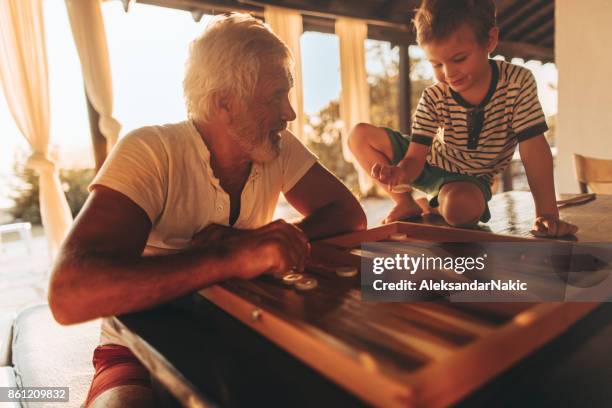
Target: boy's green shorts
x=432, y=178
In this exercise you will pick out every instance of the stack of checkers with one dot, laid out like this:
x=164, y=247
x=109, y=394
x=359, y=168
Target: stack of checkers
x=302, y=282
x=346, y=271
x=299, y=281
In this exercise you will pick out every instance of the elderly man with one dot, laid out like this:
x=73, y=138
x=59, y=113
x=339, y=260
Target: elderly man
x=181, y=206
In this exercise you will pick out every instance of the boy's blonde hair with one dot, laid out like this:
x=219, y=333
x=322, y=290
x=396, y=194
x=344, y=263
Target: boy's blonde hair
x=227, y=58
x=435, y=20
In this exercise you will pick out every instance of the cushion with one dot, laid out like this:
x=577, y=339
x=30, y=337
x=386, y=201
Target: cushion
x=7, y=379
x=6, y=337
x=48, y=354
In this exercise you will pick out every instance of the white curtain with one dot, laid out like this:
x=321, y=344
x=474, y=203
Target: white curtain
x=90, y=38
x=24, y=78
x=355, y=97
x=287, y=24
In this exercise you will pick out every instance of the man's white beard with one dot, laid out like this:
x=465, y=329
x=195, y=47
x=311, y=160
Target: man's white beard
x=265, y=153
x=259, y=151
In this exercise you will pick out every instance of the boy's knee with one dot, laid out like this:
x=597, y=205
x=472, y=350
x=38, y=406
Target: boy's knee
x=358, y=135
x=458, y=217
x=463, y=207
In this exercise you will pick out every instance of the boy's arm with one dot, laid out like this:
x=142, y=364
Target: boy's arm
x=407, y=170
x=538, y=161
x=425, y=126
x=412, y=164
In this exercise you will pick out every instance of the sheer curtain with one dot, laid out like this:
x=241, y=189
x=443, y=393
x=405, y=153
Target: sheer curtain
x=287, y=24
x=90, y=38
x=24, y=78
x=355, y=96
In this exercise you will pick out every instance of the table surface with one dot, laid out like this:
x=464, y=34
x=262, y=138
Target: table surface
x=208, y=358
x=512, y=213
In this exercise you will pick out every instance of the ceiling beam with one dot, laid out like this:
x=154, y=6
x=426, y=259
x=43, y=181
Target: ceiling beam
x=511, y=9
x=522, y=15
x=525, y=51
x=359, y=10
x=504, y=7
x=544, y=28
x=208, y=7
x=548, y=40
x=385, y=10
x=517, y=30
x=327, y=25
x=396, y=34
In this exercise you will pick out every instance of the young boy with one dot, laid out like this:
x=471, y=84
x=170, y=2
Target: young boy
x=466, y=126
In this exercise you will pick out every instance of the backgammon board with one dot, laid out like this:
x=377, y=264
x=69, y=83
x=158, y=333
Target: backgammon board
x=393, y=354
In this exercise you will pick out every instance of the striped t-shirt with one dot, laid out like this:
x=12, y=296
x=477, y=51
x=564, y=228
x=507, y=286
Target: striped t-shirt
x=512, y=113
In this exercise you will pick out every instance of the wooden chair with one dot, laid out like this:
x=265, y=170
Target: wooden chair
x=596, y=174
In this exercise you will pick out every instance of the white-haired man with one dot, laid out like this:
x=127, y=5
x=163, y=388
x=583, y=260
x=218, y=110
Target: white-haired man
x=180, y=206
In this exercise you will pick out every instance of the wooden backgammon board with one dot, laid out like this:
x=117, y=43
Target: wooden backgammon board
x=393, y=354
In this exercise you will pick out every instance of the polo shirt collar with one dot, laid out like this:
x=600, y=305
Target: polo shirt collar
x=492, y=86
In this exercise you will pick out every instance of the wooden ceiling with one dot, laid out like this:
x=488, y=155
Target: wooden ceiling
x=527, y=27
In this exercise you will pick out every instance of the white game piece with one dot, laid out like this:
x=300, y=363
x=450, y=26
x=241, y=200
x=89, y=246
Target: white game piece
x=401, y=188
x=306, y=284
x=291, y=278
x=346, y=271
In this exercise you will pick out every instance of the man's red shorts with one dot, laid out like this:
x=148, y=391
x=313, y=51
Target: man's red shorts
x=115, y=365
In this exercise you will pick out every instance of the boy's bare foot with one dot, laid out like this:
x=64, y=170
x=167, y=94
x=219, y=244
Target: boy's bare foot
x=433, y=211
x=403, y=210
x=423, y=202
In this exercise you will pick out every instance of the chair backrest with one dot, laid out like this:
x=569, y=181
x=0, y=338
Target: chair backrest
x=594, y=173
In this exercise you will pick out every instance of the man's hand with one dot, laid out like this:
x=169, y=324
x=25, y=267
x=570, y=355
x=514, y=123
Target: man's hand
x=275, y=248
x=390, y=175
x=548, y=226
x=214, y=233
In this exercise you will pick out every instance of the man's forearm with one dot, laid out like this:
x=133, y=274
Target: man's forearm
x=333, y=219
x=89, y=285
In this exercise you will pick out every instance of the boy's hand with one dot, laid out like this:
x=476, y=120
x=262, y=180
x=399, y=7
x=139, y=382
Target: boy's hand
x=547, y=226
x=390, y=175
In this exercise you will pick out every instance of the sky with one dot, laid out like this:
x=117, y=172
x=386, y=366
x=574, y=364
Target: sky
x=147, y=68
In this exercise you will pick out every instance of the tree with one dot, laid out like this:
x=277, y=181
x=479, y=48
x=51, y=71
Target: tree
x=25, y=196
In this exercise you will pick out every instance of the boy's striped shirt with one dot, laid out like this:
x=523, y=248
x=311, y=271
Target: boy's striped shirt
x=512, y=114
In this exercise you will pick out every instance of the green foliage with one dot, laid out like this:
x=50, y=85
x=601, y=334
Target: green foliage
x=75, y=182
x=325, y=141
x=26, y=205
